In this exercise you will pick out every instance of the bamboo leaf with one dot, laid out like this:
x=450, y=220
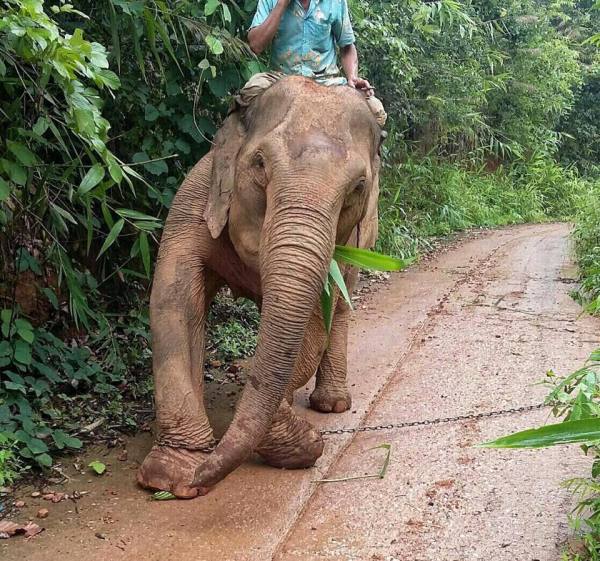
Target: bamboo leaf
x=567, y=432
x=337, y=277
x=210, y=7
x=145, y=251
x=94, y=175
x=137, y=215
x=112, y=236
x=327, y=305
x=366, y=259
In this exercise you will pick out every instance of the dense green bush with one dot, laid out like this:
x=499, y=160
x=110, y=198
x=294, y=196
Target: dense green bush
x=422, y=198
x=587, y=239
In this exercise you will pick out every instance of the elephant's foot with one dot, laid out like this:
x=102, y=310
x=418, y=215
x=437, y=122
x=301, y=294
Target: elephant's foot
x=329, y=400
x=292, y=442
x=171, y=469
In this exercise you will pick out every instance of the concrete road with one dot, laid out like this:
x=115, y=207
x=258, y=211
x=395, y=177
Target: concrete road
x=469, y=330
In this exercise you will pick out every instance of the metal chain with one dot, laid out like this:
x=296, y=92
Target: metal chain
x=438, y=421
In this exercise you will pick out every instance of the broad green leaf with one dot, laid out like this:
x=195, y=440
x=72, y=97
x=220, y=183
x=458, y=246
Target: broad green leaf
x=4, y=190
x=94, y=175
x=37, y=446
x=210, y=7
x=112, y=236
x=23, y=154
x=215, y=46
x=365, y=259
x=62, y=439
x=151, y=113
x=567, y=432
x=157, y=167
x=23, y=352
x=108, y=78
x=26, y=335
x=97, y=467
x=44, y=460
x=16, y=173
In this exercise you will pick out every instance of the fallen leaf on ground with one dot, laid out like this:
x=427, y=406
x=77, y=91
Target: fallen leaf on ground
x=163, y=496
x=97, y=467
x=8, y=529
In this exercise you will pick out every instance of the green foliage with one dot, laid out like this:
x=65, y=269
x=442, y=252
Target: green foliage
x=356, y=257
x=587, y=243
x=232, y=328
x=97, y=467
x=575, y=398
x=9, y=464
x=82, y=200
x=474, y=80
x=47, y=386
x=424, y=198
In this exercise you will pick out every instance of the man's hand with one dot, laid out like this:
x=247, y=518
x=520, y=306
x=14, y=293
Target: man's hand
x=362, y=85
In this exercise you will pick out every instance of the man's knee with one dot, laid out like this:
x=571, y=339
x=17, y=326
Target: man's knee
x=255, y=86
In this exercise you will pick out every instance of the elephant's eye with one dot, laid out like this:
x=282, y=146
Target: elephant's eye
x=361, y=185
x=259, y=169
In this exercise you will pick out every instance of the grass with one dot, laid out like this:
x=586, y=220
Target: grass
x=421, y=199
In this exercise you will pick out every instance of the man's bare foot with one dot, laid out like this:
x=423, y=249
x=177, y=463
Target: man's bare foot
x=171, y=469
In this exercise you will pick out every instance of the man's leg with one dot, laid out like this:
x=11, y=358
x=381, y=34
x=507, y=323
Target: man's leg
x=255, y=86
x=377, y=109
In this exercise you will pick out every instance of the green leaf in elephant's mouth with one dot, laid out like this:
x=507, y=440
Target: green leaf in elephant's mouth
x=362, y=258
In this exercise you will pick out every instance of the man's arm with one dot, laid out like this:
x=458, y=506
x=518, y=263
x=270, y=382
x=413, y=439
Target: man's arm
x=260, y=37
x=349, y=60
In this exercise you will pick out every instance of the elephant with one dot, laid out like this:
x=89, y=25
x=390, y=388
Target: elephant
x=289, y=176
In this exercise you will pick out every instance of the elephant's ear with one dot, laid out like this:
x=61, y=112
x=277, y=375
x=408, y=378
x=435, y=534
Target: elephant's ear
x=227, y=144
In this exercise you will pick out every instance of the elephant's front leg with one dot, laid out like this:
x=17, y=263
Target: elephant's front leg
x=178, y=310
x=182, y=289
x=331, y=393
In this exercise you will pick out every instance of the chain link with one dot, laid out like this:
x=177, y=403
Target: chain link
x=438, y=421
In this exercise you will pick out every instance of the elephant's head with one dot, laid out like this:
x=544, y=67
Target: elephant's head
x=293, y=174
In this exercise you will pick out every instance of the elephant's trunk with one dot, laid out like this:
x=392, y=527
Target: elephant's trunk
x=297, y=246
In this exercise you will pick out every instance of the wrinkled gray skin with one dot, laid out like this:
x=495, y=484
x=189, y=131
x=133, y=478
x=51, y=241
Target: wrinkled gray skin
x=288, y=178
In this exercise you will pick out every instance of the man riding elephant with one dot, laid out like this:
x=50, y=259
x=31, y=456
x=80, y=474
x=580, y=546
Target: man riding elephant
x=304, y=36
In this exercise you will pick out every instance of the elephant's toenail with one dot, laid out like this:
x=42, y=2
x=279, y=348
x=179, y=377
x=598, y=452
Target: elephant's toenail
x=339, y=407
